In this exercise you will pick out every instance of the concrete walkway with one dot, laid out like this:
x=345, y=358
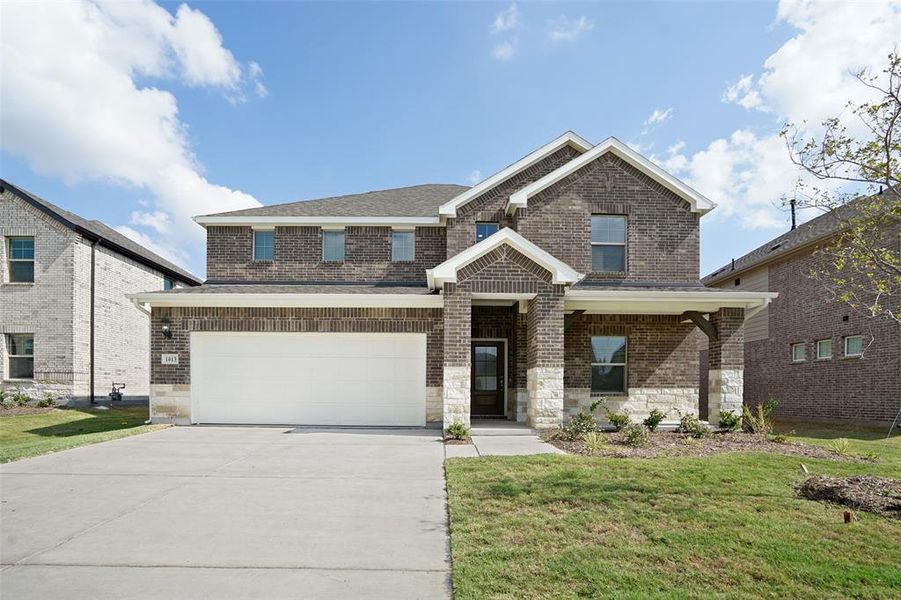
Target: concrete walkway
x=501, y=438
x=230, y=512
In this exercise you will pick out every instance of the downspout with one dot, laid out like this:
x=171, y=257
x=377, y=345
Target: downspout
x=93, y=253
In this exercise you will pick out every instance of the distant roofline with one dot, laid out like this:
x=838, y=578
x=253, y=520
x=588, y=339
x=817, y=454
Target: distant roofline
x=29, y=198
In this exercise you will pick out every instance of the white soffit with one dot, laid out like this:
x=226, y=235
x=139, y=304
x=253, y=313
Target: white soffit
x=449, y=209
x=446, y=272
x=699, y=202
x=663, y=302
x=290, y=300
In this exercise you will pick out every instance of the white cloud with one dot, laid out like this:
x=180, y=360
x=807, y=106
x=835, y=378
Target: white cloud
x=170, y=253
x=659, y=116
x=76, y=103
x=506, y=20
x=505, y=50
x=809, y=78
x=474, y=177
x=743, y=94
x=564, y=29
x=156, y=220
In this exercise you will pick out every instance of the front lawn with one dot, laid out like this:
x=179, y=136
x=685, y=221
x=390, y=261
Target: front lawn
x=728, y=524
x=22, y=436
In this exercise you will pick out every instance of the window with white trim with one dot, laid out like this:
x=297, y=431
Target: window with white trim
x=484, y=230
x=263, y=245
x=824, y=349
x=608, y=243
x=608, y=364
x=333, y=246
x=799, y=352
x=20, y=253
x=20, y=355
x=854, y=345
x=403, y=246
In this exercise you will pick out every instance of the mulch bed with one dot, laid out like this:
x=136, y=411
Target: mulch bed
x=451, y=441
x=879, y=495
x=668, y=443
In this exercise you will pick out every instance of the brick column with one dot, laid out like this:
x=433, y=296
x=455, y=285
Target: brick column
x=544, y=337
x=457, y=354
x=522, y=361
x=726, y=363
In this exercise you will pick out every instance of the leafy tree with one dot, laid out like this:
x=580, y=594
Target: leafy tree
x=856, y=178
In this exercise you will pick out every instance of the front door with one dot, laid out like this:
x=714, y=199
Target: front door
x=488, y=366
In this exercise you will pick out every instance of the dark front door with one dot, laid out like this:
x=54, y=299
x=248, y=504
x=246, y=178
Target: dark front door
x=488, y=366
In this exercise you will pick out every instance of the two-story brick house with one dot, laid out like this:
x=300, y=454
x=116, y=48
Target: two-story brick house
x=569, y=275
x=67, y=326
x=821, y=359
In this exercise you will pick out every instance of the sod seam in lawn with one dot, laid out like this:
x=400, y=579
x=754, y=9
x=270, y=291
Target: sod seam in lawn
x=730, y=524
x=24, y=436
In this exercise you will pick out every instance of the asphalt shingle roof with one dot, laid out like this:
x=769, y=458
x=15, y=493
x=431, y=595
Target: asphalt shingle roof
x=413, y=201
x=100, y=230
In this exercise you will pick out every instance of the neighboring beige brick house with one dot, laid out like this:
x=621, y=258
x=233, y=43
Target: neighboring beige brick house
x=822, y=360
x=570, y=275
x=61, y=278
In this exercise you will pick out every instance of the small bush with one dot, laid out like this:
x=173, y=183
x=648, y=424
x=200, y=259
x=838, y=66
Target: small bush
x=595, y=443
x=654, y=419
x=635, y=435
x=579, y=425
x=47, y=401
x=458, y=431
x=779, y=438
x=840, y=446
x=759, y=421
x=729, y=420
x=20, y=398
x=618, y=420
x=872, y=456
x=690, y=425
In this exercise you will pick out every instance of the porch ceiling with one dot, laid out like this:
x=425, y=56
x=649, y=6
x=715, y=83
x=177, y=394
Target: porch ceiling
x=664, y=302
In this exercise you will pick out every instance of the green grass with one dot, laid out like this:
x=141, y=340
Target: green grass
x=22, y=436
x=725, y=525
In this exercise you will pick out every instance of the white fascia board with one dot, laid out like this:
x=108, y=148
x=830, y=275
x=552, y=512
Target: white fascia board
x=699, y=202
x=449, y=209
x=290, y=300
x=446, y=272
x=664, y=302
x=258, y=222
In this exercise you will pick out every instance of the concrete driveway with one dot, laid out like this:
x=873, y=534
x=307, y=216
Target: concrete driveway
x=230, y=512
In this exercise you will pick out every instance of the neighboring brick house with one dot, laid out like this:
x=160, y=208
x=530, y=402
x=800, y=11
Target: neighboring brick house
x=821, y=359
x=569, y=275
x=67, y=325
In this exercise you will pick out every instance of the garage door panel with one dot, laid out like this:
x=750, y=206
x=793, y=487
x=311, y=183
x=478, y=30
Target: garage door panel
x=307, y=378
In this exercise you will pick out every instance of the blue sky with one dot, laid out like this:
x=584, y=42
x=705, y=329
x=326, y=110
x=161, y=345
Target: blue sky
x=240, y=103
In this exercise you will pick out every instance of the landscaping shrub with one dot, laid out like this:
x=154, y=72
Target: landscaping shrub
x=690, y=425
x=729, y=420
x=759, y=421
x=636, y=435
x=47, y=401
x=840, y=446
x=20, y=398
x=594, y=441
x=654, y=419
x=579, y=425
x=458, y=431
x=618, y=420
x=5, y=400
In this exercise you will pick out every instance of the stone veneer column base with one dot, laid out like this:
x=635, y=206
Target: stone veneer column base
x=638, y=403
x=457, y=386
x=170, y=403
x=545, y=397
x=434, y=404
x=724, y=392
x=522, y=405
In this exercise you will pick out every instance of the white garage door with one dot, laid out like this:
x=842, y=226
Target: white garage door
x=308, y=378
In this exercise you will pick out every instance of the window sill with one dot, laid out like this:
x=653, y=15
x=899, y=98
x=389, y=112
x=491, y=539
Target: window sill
x=608, y=394
x=852, y=356
x=333, y=262
x=798, y=362
x=16, y=283
x=825, y=358
x=19, y=380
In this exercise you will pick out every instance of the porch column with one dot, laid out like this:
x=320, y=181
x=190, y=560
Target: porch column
x=544, y=339
x=726, y=363
x=457, y=354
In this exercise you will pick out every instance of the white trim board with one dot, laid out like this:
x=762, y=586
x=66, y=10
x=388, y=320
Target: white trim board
x=699, y=202
x=663, y=302
x=446, y=272
x=449, y=209
x=161, y=299
x=271, y=222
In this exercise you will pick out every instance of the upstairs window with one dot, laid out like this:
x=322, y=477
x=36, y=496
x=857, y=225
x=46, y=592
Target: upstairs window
x=263, y=245
x=333, y=246
x=21, y=259
x=403, y=246
x=608, y=243
x=799, y=352
x=484, y=230
x=854, y=345
x=608, y=364
x=824, y=349
x=20, y=353
x=168, y=283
